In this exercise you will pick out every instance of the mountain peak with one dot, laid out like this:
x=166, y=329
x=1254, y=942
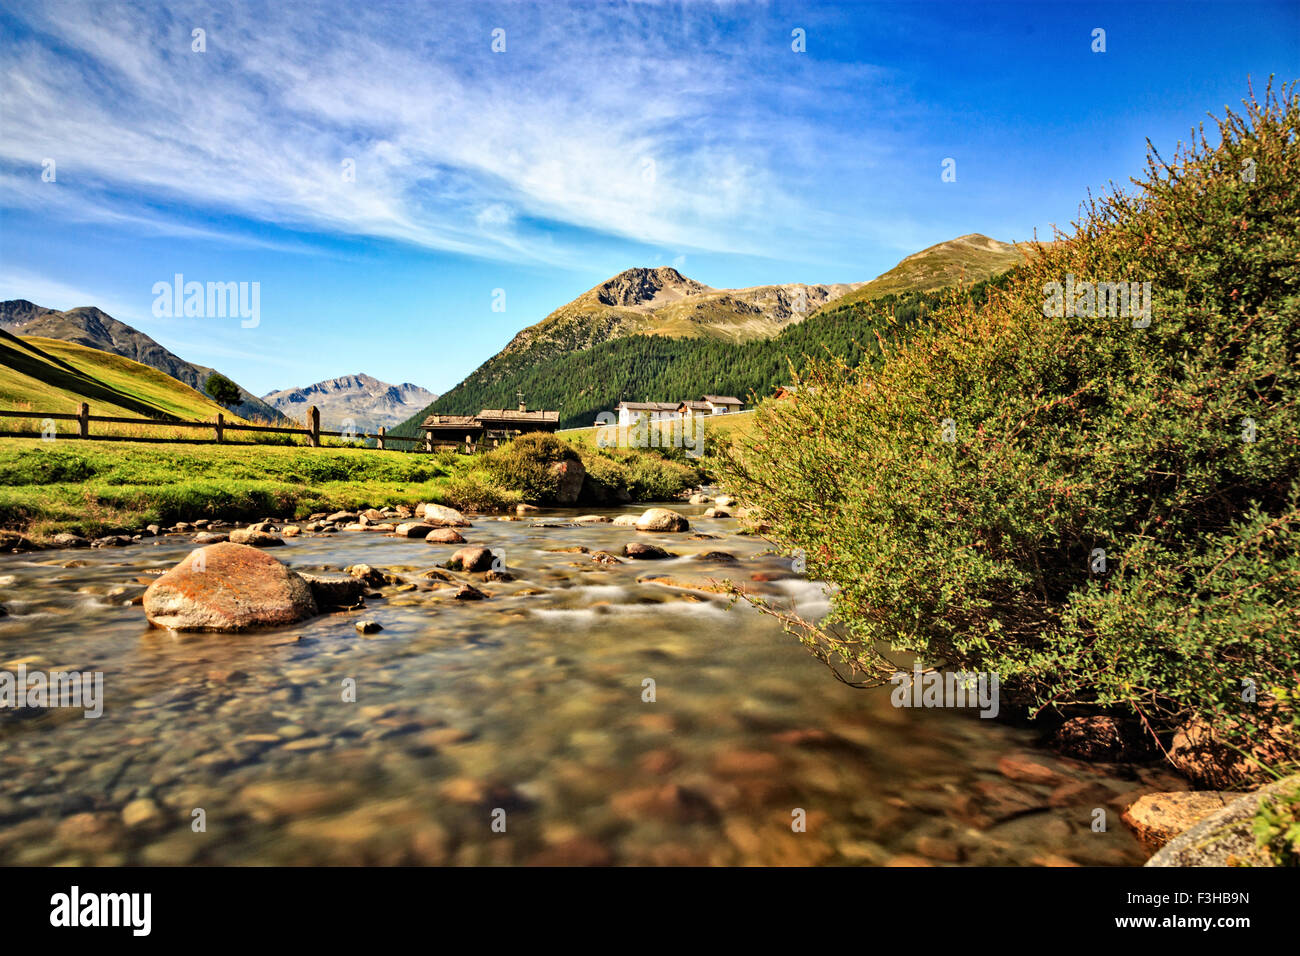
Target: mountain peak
x=360, y=399
x=646, y=287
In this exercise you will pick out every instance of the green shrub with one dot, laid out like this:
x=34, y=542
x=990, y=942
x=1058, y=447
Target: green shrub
x=478, y=490
x=960, y=494
x=652, y=477
x=607, y=478
x=525, y=465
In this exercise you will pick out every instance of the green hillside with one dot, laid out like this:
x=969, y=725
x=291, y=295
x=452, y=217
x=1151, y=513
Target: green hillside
x=658, y=368
x=965, y=259
x=93, y=328
x=48, y=375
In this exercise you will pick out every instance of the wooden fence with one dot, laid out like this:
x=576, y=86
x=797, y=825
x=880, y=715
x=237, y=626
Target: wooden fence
x=219, y=426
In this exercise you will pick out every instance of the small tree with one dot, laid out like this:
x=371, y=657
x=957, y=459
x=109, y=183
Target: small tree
x=223, y=390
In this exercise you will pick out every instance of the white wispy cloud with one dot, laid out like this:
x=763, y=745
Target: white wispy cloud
x=614, y=123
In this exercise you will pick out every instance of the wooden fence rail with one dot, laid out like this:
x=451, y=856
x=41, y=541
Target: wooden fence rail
x=312, y=432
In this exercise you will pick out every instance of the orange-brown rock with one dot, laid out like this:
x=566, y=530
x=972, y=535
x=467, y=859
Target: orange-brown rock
x=1157, y=818
x=228, y=587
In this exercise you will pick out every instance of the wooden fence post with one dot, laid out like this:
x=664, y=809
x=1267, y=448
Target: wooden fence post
x=382, y=432
x=83, y=421
x=313, y=427
x=221, y=428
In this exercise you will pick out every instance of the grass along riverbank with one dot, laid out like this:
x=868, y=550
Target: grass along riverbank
x=92, y=487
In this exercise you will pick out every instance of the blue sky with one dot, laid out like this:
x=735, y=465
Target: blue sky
x=605, y=136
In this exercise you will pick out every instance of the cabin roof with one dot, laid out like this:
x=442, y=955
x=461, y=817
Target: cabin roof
x=450, y=421
x=501, y=415
x=723, y=400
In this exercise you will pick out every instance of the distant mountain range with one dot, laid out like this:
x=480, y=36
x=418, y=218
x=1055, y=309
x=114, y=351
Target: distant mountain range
x=647, y=334
x=361, y=399
x=648, y=326
x=93, y=328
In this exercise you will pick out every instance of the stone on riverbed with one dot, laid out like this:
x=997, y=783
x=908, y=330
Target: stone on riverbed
x=472, y=559
x=444, y=536
x=662, y=519
x=644, y=552
x=367, y=575
x=414, y=529
x=591, y=519
x=722, y=557
x=258, y=539
x=440, y=516
x=211, y=537
x=66, y=540
x=686, y=582
x=232, y=587
x=335, y=590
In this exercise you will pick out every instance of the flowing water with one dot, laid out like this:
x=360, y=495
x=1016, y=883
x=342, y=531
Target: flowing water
x=523, y=713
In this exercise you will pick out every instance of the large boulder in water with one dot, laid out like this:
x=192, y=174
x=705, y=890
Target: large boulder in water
x=440, y=516
x=662, y=519
x=228, y=587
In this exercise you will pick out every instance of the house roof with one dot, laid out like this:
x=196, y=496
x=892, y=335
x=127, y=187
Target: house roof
x=450, y=421
x=650, y=406
x=722, y=400
x=501, y=415
x=695, y=406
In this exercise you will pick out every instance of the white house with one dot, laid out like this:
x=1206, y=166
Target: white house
x=629, y=412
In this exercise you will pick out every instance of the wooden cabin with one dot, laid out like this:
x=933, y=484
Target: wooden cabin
x=488, y=429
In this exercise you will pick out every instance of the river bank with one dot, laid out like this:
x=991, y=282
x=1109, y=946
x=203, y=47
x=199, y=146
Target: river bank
x=104, y=488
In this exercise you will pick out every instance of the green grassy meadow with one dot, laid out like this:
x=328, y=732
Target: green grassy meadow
x=95, y=487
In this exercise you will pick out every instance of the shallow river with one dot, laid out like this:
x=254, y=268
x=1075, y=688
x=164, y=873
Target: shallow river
x=523, y=712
